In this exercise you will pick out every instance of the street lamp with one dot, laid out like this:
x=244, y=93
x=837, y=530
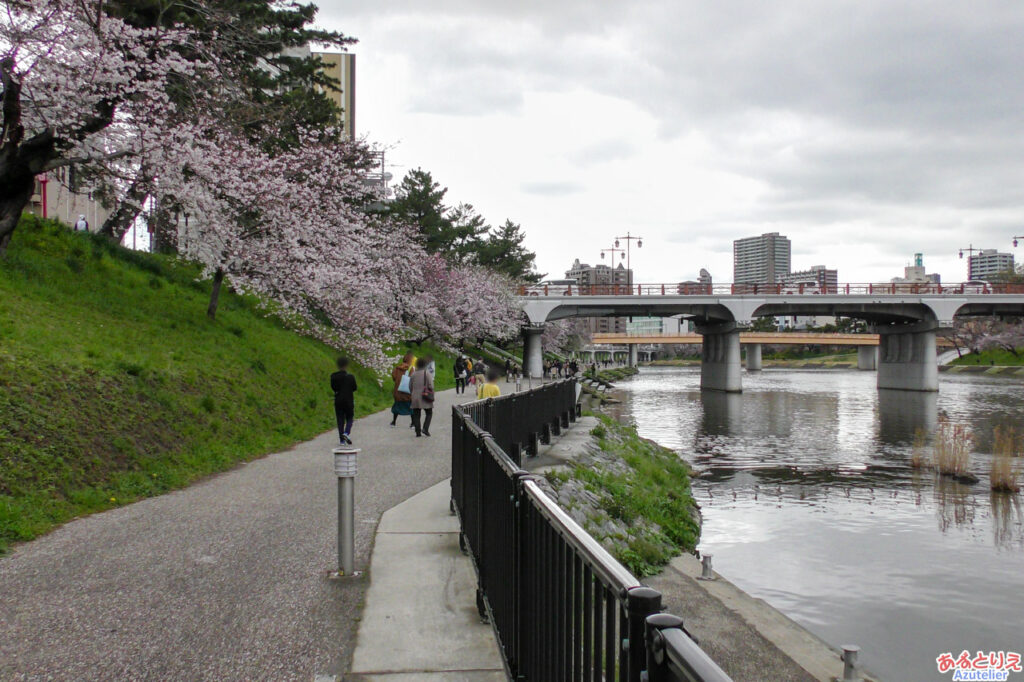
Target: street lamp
x=1015, y=241
x=970, y=250
x=639, y=244
x=614, y=251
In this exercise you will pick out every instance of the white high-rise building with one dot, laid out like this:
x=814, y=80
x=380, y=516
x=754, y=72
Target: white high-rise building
x=988, y=264
x=761, y=260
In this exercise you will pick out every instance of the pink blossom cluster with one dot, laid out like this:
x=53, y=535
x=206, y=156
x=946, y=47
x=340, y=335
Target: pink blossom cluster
x=291, y=227
x=294, y=230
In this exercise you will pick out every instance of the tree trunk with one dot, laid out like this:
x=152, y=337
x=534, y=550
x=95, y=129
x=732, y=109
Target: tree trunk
x=121, y=220
x=12, y=202
x=218, y=279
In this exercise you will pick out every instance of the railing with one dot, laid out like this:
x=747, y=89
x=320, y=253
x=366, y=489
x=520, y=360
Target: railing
x=684, y=289
x=562, y=607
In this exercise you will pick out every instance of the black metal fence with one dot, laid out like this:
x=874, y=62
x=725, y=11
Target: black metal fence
x=563, y=608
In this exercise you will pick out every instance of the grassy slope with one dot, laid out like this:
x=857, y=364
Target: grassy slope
x=995, y=356
x=115, y=386
x=655, y=488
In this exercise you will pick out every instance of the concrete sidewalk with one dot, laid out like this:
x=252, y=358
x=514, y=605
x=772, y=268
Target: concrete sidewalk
x=420, y=620
x=223, y=580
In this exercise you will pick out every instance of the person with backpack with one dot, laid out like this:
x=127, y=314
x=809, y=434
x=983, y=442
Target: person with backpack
x=344, y=386
x=422, y=385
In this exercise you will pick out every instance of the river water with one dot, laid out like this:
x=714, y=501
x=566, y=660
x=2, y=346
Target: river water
x=810, y=503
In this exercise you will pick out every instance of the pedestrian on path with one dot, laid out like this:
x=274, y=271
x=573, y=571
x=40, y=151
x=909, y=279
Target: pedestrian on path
x=489, y=389
x=461, y=374
x=422, y=398
x=402, y=391
x=344, y=386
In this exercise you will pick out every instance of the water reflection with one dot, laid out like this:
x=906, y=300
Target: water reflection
x=902, y=413
x=808, y=497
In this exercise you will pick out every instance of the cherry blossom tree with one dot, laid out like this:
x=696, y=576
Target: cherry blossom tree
x=76, y=85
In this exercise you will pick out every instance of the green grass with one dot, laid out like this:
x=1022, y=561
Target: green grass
x=114, y=385
x=656, y=488
x=995, y=356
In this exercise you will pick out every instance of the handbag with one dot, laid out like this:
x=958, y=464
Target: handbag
x=405, y=385
x=428, y=394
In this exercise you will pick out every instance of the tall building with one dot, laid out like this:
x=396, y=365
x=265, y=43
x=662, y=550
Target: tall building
x=761, y=260
x=341, y=66
x=820, y=276
x=915, y=274
x=588, y=275
x=988, y=264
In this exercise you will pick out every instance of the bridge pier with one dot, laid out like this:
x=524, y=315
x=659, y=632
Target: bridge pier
x=867, y=358
x=634, y=358
x=533, y=354
x=753, y=357
x=720, y=366
x=906, y=356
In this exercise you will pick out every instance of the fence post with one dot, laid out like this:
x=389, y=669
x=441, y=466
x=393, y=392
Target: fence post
x=641, y=602
x=657, y=667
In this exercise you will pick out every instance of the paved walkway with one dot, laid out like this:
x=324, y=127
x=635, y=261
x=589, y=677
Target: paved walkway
x=224, y=580
x=420, y=620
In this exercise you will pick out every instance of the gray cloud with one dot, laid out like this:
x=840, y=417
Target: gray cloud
x=551, y=189
x=885, y=113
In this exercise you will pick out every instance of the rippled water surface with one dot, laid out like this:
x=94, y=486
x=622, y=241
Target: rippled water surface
x=810, y=503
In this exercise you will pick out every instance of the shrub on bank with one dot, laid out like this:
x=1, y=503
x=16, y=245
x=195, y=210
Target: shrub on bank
x=633, y=496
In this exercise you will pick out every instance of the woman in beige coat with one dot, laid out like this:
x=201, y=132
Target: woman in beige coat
x=422, y=397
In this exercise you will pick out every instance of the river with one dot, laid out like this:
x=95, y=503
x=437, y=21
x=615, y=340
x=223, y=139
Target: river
x=810, y=503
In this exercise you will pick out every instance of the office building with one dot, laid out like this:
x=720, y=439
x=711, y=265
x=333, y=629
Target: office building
x=642, y=326
x=601, y=276
x=761, y=260
x=988, y=265
x=825, y=279
x=915, y=274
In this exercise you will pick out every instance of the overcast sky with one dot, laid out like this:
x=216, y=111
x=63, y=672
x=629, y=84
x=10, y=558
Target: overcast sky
x=864, y=130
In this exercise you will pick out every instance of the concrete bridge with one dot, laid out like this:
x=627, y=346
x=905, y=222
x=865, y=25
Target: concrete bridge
x=905, y=318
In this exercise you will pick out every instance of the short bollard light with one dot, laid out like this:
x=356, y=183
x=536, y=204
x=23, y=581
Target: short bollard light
x=850, y=653
x=705, y=568
x=345, y=470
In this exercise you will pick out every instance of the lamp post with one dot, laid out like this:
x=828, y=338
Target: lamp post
x=613, y=251
x=639, y=244
x=970, y=251
x=1015, y=241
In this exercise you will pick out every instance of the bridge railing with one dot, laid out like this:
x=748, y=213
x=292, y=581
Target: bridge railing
x=739, y=289
x=561, y=606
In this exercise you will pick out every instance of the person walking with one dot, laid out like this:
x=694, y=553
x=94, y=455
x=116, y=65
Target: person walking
x=402, y=391
x=344, y=386
x=508, y=370
x=422, y=398
x=461, y=374
x=490, y=389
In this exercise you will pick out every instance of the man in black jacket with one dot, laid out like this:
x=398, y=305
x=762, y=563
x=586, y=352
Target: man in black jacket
x=344, y=386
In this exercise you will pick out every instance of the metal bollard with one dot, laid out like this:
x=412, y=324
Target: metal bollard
x=345, y=470
x=850, y=653
x=705, y=568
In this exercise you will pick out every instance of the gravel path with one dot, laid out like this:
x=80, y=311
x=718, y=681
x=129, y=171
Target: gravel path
x=224, y=580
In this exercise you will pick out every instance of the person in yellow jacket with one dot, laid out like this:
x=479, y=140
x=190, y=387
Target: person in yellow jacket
x=490, y=389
